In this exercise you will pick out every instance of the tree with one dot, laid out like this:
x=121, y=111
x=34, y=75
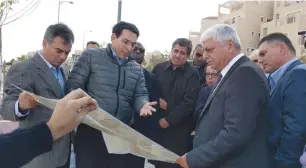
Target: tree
x=103, y=45
x=303, y=55
x=156, y=59
x=22, y=58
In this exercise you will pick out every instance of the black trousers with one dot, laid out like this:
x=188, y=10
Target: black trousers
x=91, y=151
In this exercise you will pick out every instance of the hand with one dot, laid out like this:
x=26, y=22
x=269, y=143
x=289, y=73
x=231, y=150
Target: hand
x=147, y=109
x=163, y=104
x=163, y=123
x=26, y=101
x=182, y=161
x=193, y=133
x=69, y=112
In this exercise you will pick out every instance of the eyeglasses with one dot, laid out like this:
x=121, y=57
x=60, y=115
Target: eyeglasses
x=141, y=50
x=211, y=74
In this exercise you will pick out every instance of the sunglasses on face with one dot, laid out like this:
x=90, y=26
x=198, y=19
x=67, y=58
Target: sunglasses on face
x=211, y=74
x=141, y=50
x=255, y=60
x=198, y=55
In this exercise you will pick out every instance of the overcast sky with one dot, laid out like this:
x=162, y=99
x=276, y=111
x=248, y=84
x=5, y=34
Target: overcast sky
x=160, y=22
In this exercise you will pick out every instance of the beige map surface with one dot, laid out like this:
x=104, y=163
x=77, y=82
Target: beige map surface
x=119, y=138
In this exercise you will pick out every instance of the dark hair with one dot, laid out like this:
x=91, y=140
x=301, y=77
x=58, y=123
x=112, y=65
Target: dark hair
x=119, y=27
x=184, y=43
x=198, y=45
x=59, y=30
x=93, y=42
x=278, y=37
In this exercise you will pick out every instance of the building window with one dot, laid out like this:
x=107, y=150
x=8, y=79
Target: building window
x=261, y=19
x=290, y=19
x=278, y=4
x=233, y=20
x=269, y=20
x=277, y=16
x=258, y=34
x=265, y=31
x=252, y=34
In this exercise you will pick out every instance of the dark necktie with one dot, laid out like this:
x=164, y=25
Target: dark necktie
x=217, y=82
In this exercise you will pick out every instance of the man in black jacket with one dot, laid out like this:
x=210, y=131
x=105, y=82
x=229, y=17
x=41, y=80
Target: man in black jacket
x=25, y=144
x=179, y=87
x=144, y=125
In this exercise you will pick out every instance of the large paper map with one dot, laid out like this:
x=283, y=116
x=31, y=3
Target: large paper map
x=119, y=138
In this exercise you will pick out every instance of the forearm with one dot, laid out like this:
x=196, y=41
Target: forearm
x=24, y=144
x=8, y=110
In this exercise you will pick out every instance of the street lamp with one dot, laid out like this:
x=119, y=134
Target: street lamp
x=119, y=11
x=59, y=8
x=84, y=37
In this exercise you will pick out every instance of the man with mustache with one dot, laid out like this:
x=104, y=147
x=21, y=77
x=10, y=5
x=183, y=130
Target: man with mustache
x=179, y=87
x=232, y=130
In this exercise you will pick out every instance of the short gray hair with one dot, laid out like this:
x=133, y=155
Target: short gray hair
x=222, y=33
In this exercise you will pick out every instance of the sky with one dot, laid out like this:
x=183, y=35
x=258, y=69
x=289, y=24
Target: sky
x=160, y=22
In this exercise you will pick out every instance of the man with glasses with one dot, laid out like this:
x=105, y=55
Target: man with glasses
x=199, y=62
x=144, y=125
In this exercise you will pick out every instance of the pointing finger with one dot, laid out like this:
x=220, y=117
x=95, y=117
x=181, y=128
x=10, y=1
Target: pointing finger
x=152, y=103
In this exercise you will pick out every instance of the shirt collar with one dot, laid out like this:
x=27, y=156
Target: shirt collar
x=230, y=64
x=169, y=65
x=47, y=62
x=276, y=75
x=116, y=56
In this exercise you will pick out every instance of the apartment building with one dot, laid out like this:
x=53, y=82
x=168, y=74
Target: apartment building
x=289, y=17
x=245, y=17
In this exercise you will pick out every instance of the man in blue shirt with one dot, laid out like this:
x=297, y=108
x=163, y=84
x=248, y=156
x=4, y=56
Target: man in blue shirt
x=287, y=78
x=42, y=75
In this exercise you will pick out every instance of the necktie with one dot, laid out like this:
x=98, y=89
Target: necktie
x=217, y=82
x=271, y=82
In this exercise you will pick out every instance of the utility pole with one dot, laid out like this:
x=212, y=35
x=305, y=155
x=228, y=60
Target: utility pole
x=59, y=8
x=119, y=11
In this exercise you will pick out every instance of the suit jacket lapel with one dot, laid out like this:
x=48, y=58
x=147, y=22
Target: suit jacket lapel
x=211, y=96
x=46, y=74
x=295, y=63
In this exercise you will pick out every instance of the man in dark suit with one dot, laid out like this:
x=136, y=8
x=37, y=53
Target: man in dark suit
x=232, y=130
x=44, y=76
x=287, y=80
x=25, y=144
x=144, y=125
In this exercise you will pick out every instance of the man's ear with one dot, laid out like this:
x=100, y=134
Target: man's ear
x=113, y=37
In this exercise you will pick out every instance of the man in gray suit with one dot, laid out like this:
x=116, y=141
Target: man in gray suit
x=44, y=76
x=232, y=130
